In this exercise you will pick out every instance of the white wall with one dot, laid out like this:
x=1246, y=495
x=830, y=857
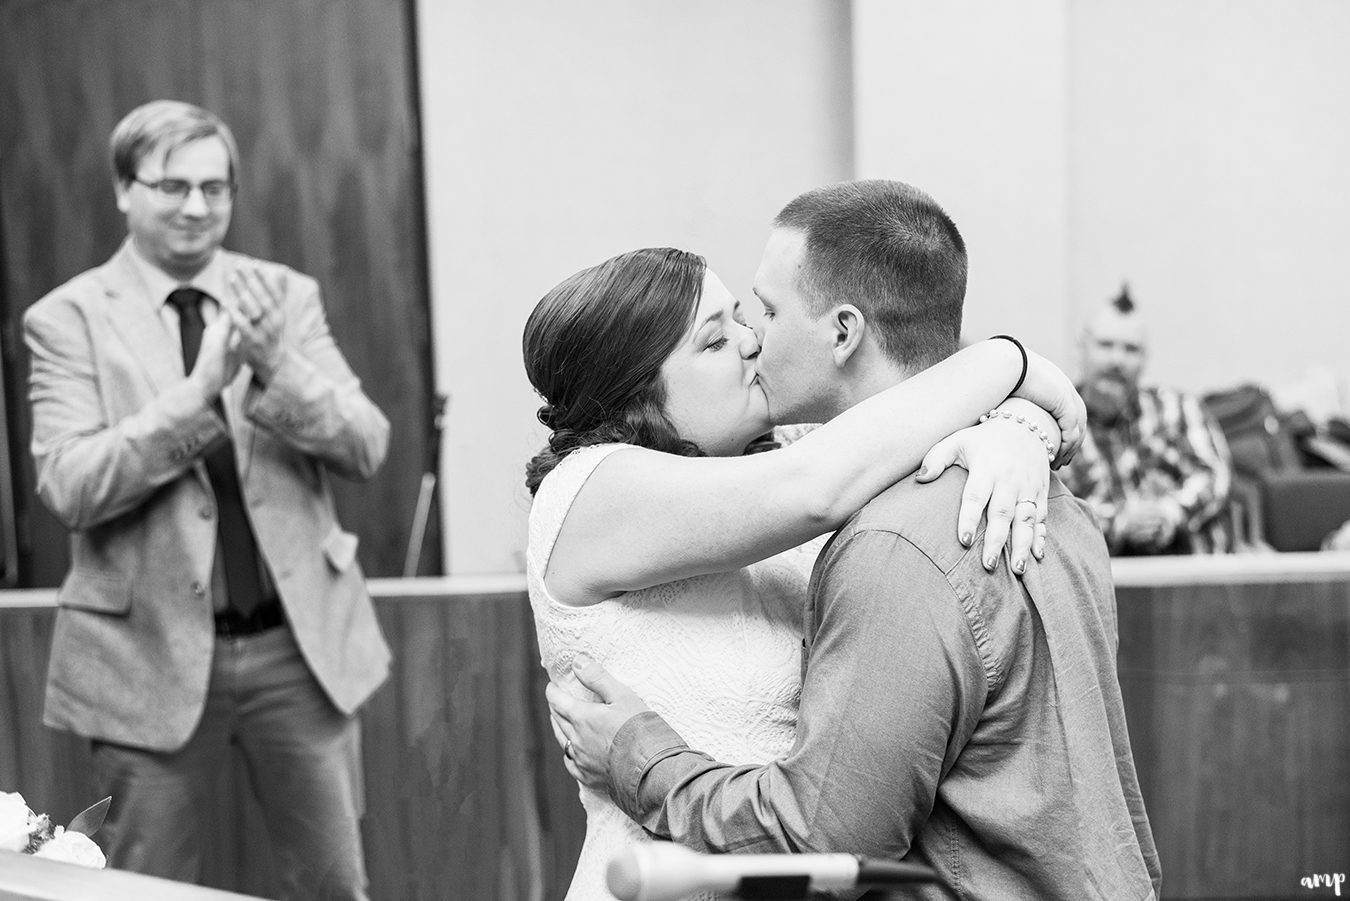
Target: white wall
x=1197, y=148
x=559, y=134
x=967, y=100
x=1211, y=150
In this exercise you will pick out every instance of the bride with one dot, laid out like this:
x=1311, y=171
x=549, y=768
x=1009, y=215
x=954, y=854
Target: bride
x=659, y=548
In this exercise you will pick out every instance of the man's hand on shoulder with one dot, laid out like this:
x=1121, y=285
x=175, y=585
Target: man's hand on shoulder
x=1151, y=522
x=585, y=729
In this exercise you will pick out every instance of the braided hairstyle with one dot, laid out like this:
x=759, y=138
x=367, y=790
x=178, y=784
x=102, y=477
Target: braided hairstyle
x=594, y=347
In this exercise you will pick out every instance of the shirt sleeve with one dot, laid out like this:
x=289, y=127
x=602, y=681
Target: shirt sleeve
x=1089, y=476
x=1179, y=453
x=893, y=690
x=314, y=402
x=1207, y=474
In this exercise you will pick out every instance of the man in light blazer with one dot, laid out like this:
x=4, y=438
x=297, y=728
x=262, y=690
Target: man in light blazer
x=189, y=404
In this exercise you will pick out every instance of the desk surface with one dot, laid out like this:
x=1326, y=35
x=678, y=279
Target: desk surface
x=24, y=878
x=1131, y=572
x=1231, y=569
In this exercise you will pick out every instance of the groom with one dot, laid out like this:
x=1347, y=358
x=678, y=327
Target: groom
x=951, y=715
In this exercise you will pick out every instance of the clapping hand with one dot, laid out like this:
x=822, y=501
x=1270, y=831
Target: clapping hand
x=257, y=315
x=218, y=359
x=586, y=729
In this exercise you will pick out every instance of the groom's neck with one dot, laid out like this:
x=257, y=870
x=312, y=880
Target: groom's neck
x=869, y=377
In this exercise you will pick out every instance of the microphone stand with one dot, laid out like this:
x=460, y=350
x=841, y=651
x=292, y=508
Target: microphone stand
x=426, y=492
x=798, y=888
x=661, y=871
x=800, y=892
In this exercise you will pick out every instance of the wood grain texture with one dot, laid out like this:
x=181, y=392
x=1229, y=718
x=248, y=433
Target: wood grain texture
x=320, y=97
x=466, y=795
x=1237, y=698
x=1238, y=702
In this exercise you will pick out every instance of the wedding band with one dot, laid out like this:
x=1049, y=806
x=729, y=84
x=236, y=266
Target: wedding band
x=567, y=749
x=1029, y=500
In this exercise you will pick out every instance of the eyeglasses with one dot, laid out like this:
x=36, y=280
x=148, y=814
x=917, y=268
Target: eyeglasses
x=177, y=191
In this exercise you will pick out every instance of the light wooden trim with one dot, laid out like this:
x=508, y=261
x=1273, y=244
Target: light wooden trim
x=1231, y=569
x=505, y=585
x=1128, y=572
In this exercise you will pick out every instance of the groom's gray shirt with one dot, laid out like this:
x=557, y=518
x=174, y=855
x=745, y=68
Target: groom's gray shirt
x=968, y=720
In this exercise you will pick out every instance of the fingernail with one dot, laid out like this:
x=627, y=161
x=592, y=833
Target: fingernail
x=1020, y=567
x=581, y=662
x=966, y=539
x=923, y=472
x=989, y=563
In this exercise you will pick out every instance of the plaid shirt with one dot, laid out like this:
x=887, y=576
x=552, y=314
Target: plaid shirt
x=1166, y=446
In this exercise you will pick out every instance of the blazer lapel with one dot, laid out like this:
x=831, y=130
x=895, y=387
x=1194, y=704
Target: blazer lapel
x=135, y=316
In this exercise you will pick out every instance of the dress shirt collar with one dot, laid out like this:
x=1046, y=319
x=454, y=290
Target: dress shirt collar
x=159, y=284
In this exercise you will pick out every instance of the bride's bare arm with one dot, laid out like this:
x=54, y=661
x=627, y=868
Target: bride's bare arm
x=644, y=517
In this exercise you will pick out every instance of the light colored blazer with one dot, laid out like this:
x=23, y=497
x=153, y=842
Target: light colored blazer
x=118, y=437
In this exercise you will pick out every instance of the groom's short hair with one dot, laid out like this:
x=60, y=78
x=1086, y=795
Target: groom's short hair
x=887, y=248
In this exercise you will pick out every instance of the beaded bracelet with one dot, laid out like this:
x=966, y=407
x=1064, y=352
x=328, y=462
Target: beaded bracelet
x=1036, y=430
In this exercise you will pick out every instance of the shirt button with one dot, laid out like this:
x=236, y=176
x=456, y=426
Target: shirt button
x=198, y=589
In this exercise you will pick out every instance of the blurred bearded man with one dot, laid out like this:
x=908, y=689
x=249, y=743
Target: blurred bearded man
x=1155, y=468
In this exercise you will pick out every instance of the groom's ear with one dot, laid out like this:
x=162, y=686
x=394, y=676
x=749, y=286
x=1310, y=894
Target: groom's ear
x=847, y=326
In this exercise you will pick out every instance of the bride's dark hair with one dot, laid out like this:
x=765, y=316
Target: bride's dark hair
x=594, y=347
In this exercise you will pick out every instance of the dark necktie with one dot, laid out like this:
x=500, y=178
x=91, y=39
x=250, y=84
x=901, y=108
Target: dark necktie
x=242, y=579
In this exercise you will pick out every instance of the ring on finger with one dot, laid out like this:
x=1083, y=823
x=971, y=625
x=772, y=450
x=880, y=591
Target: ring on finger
x=1029, y=500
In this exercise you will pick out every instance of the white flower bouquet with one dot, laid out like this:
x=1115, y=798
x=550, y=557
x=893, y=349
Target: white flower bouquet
x=27, y=832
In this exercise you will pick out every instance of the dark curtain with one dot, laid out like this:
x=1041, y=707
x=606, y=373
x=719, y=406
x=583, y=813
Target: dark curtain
x=322, y=99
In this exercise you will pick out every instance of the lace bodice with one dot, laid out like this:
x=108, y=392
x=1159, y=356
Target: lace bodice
x=718, y=656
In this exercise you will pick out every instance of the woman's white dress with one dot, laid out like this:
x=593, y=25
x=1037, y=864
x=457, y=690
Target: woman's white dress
x=718, y=656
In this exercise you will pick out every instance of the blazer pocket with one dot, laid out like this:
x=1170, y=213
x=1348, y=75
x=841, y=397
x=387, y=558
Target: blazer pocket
x=340, y=549
x=95, y=590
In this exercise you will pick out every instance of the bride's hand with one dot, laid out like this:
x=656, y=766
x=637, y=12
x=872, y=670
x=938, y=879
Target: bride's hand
x=1049, y=388
x=1009, y=481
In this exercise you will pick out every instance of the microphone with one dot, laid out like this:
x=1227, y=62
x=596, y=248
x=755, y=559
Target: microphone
x=662, y=871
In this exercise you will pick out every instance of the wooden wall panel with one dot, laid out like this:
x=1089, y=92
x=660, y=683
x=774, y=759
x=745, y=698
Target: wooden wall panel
x=466, y=794
x=320, y=97
x=50, y=769
x=1237, y=699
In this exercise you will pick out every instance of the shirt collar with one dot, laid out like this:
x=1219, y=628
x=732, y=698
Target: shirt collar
x=159, y=284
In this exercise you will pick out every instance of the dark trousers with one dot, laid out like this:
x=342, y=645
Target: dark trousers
x=303, y=759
